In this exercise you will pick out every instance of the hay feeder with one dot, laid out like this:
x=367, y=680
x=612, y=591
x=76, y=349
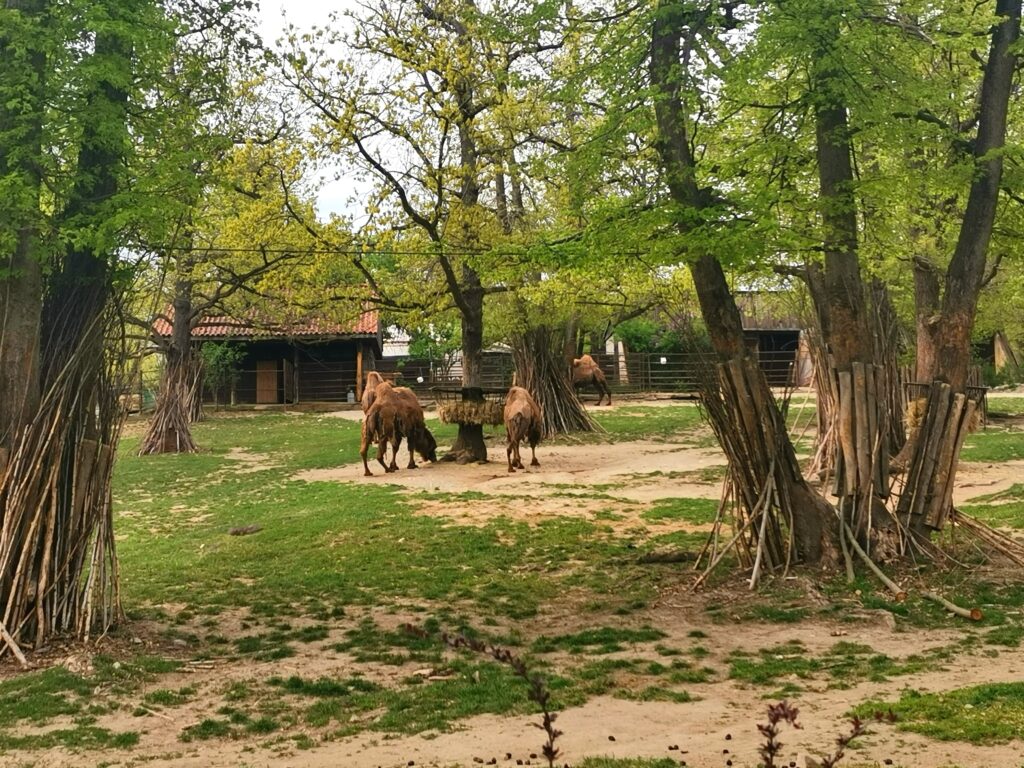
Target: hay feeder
x=470, y=405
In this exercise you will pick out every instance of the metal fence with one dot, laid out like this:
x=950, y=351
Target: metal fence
x=637, y=373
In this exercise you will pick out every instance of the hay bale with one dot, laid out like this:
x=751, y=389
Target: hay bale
x=916, y=410
x=469, y=412
x=915, y=413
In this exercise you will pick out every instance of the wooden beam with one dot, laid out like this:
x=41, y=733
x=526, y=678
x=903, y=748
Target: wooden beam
x=359, y=372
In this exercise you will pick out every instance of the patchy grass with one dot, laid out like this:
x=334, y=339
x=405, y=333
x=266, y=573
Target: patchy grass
x=844, y=664
x=696, y=511
x=329, y=551
x=982, y=714
x=599, y=641
x=37, y=697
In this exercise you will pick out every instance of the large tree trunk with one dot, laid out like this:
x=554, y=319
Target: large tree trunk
x=58, y=566
x=468, y=291
x=945, y=326
x=860, y=424
x=21, y=281
x=469, y=442
x=771, y=490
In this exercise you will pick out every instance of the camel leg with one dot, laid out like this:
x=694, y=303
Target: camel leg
x=519, y=461
x=396, y=443
x=508, y=455
x=364, y=448
x=412, y=456
x=533, y=451
x=382, y=448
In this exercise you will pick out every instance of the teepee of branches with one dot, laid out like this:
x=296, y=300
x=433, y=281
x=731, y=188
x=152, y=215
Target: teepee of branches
x=541, y=369
x=58, y=564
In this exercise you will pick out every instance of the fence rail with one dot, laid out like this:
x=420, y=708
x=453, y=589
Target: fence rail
x=336, y=381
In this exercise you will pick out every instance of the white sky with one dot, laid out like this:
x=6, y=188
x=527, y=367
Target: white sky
x=336, y=195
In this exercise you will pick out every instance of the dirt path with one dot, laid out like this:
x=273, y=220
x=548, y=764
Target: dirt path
x=719, y=726
x=635, y=471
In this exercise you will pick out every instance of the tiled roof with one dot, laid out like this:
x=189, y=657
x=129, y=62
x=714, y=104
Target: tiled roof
x=222, y=326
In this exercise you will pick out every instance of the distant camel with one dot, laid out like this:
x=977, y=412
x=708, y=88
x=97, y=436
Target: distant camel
x=523, y=421
x=587, y=373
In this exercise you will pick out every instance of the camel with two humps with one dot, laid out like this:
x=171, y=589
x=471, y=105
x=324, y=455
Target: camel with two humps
x=523, y=421
x=587, y=373
x=394, y=415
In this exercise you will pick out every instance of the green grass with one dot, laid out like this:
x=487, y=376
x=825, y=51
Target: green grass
x=696, y=511
x=669, y=424
x=330, y=551
x=37, y=697
x=600, y=641
x=844, y=664
x=328, y=541
x=994, y=445
x=982, y=714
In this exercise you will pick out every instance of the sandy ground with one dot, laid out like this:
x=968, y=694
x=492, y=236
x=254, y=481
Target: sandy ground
x=718, y=728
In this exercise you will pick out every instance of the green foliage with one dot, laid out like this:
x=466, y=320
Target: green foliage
x=643, y=334
x=222, y=363
x=436, y=341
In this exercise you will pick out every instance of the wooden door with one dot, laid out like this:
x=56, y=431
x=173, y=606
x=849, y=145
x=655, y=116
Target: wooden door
x=266, y=381
x=289, y=381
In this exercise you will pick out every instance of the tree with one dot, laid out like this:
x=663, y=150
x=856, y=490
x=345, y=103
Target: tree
x=746, y=418
x=60, y=283
x=427, y=109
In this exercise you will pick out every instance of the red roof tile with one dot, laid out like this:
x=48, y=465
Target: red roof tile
x=222, y=326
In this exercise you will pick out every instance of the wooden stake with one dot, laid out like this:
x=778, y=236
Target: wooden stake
x=6, y=637
x=846, y=440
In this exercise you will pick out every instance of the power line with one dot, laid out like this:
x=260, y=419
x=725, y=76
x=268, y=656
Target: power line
x=365, y=251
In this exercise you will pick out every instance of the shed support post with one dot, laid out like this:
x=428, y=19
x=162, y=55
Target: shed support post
x=359, y=372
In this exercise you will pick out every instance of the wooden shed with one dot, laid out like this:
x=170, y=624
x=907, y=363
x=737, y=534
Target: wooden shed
x=313, y=359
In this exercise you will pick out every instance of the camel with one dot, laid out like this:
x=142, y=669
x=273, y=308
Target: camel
x=395, y=414
x=587, y=373
x=523, y=421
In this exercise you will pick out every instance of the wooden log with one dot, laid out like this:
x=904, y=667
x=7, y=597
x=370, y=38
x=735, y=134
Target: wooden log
x=944, y=494
x=359, y=373
x=874, y=404
x=12, y=644
x=84, y=466
x=738, y=400
x=931, y=442
x=911, y=490
x=974, y=614
x=898, y=593
x=861, y=432
x=847, y=449
x=882, y=434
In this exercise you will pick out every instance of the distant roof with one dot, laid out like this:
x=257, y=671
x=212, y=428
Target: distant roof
x=254, y=327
